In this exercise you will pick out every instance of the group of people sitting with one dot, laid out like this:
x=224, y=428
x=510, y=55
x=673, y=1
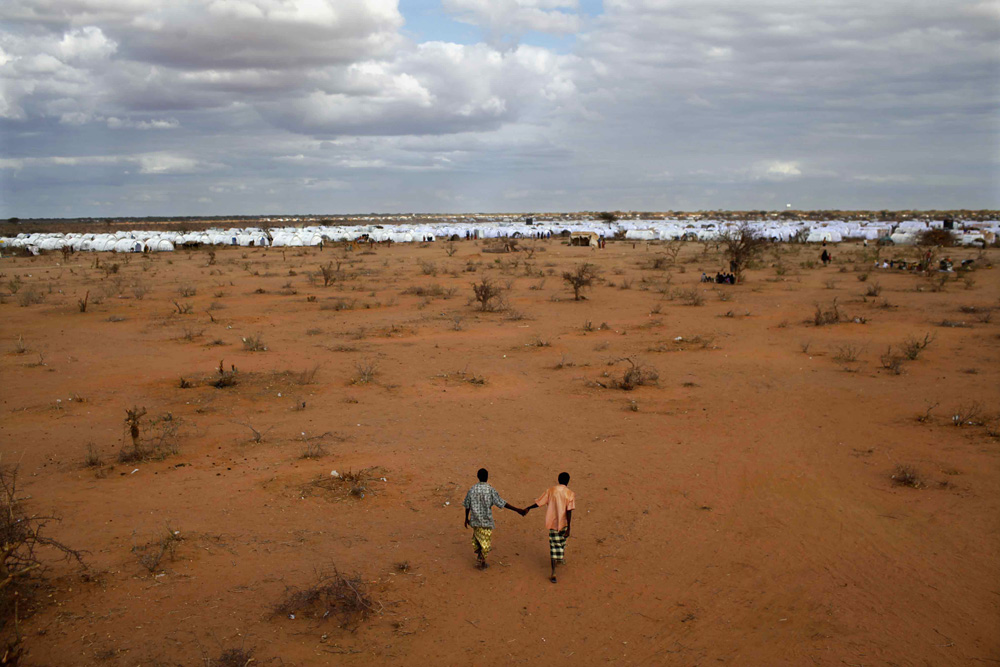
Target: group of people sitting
x=720, y=278
x=910, y=265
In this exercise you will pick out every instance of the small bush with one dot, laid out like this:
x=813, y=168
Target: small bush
x=691, y=297
x=847, y=353
x=892, y=362
x=151, y=555
x=366, y=370
x=489, y=295
x=308, y=376
x=873, y=290
x=29, y=297
x=636, y=375
x=336, y=595
x=968, y=414
x=254, y=343
x=906, y=476
x=187, y=291
x=93, y=457
x=830, y=315
x=582, y=277
x=912, y=347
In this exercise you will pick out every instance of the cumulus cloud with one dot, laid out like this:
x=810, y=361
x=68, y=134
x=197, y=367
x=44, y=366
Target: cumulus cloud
x=653, y=103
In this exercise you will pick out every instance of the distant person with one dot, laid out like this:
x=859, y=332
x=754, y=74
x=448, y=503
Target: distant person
x=559, y=514
x=825, y=257
x=705, y=278
x=478, y=503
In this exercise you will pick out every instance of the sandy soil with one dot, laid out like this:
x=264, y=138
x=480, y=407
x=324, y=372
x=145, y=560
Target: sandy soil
x=741, y=511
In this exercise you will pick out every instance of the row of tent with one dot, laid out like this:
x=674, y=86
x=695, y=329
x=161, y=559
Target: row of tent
x=637, y=230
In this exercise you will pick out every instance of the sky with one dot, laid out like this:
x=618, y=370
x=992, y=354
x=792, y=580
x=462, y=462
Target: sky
x=113, y=108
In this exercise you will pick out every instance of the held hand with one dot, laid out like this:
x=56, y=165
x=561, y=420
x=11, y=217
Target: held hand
x=567, y=532
x=523, y=512
x=466, y=523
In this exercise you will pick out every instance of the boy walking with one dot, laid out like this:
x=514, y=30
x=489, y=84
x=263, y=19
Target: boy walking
x=559, y=514
x=478, y=503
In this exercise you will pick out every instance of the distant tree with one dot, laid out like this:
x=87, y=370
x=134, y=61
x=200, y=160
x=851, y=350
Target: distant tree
x=583, y=276
x=936, y=237
x=14, y=220
x=741, y=244
x=607, y=216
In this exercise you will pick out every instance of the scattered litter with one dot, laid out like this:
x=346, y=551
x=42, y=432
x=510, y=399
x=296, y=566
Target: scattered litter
x=334, y=474
x=134, y=471
x=384, y=479
x=291, y=616
x=447, y=503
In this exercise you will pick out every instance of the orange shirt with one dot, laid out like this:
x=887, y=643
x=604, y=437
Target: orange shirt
x=559, y=499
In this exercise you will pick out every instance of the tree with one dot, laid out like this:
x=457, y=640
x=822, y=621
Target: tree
x=936, y=237
x=489, y=295
x=607, y=216
x=741, y=244
x=583, y=276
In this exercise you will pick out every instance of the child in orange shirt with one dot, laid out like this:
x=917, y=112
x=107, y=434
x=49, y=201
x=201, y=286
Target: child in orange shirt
x=559, y=514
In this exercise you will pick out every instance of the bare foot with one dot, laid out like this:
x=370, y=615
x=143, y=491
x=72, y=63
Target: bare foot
x=552, y=579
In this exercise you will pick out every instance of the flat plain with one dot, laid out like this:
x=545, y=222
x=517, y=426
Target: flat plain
x=798, y=470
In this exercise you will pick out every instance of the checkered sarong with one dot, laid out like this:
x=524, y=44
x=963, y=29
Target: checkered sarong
x=557, y=544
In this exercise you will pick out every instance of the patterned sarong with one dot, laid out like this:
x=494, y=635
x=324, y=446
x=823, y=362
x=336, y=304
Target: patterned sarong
x=482, y=539
x=557, y=544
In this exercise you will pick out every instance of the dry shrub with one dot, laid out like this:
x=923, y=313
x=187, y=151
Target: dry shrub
x=489, y=295
x=29, y=297
x=152, y=439
x=968, y=414
x=345, y=484
x=21, y=537
x=366, y=369
x=308, y=376
x=582, y=277
x=904, y=475
x=636, y=375
x=254, y=343
x=912, y=346
x=151, y=555
x=873, y=290
x=891, y=361
x=847, y=353
x=691, y=297
x=830, y=315
x=93, y=458
x=335, y=595
x=233, y=657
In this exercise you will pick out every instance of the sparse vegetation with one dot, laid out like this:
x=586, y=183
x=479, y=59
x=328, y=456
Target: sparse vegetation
x=489, y=295
x=335, y=595
x=366, y=369
x=581, y=278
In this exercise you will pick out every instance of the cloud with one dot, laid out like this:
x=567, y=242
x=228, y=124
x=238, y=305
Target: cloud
x=651, y=103
x=775, y=170
x=506, y=17
x=154, y=124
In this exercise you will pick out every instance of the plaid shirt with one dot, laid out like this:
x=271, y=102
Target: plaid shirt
x=480, y=501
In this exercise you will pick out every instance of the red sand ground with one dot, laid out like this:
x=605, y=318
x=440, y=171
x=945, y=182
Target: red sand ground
x=742, y=514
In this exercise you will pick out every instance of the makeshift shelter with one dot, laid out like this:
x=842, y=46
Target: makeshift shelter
x=584, y=239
